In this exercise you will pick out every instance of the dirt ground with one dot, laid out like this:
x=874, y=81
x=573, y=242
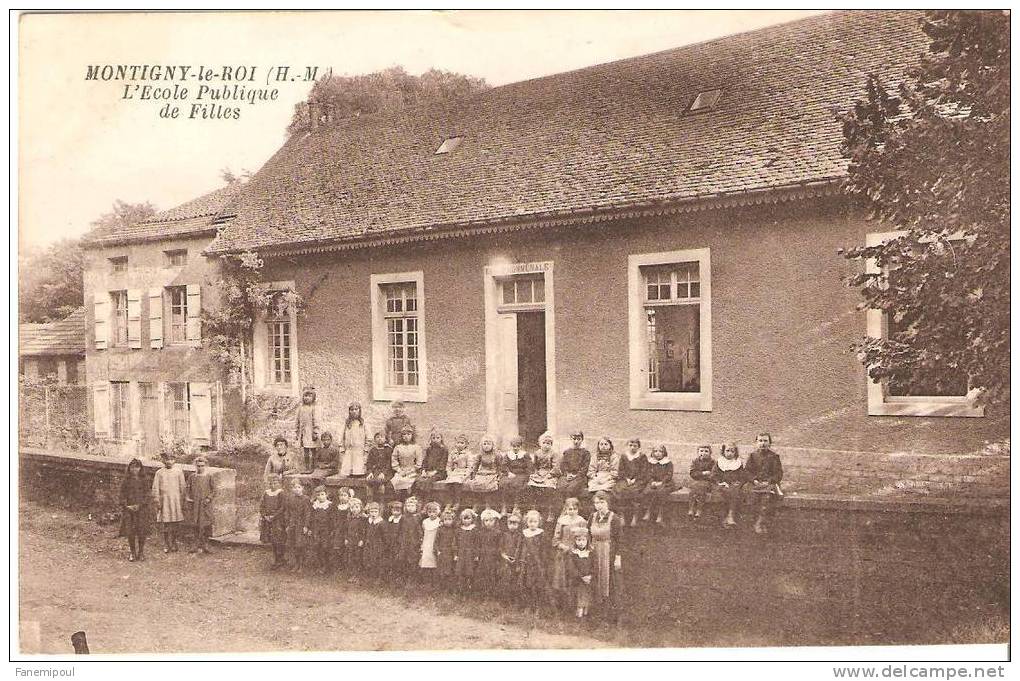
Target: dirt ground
x=821, y=578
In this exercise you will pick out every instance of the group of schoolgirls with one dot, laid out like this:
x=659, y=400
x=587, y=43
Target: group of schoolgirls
x=759, y=477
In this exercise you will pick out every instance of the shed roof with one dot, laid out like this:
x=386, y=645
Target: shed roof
x=64, y=337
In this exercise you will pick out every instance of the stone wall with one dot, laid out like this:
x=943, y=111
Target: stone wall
x=91, y=484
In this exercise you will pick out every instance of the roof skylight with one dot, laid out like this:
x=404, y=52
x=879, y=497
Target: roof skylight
x=449, y=144
x=706, y=99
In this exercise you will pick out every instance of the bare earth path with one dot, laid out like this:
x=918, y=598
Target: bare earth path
x=820, y=578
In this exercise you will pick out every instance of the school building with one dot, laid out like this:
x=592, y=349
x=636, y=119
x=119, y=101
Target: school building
x=640, y=248
x=145, y=286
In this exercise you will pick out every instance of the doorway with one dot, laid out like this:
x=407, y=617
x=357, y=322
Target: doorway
x=531, y=378
x=519, y=351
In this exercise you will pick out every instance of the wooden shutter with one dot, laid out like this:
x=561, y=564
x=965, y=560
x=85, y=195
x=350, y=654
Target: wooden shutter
x=134, y=318
x=101, y=409
x=101, y=323
x=200, y=413
x=155, y=318
x=194, y=319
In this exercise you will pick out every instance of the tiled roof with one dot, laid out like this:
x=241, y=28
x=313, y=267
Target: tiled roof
x=599, y=138
x=66, y=337
x=196, y=216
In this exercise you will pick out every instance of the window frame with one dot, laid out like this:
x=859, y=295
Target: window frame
x=641, y=397
x=171, y=253
x=118, y=264
x=880, y=403
x=282, y=328
x=168, y=334
x=262, y=360
x=171, y=415
x=115, y=340
x=381, y=391
x=124, y=433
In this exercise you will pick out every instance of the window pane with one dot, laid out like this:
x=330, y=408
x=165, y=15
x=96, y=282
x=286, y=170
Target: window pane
x=674, y=348
x=508, y=292
x=933, y=383
x=540, y=290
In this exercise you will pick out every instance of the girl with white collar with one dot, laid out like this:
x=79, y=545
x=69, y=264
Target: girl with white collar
x=516, y=467
x=730, y=477
x=660, y=483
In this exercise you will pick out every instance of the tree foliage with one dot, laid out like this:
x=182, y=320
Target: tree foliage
x=51, y=279
x=930, y=156
x=337, y=98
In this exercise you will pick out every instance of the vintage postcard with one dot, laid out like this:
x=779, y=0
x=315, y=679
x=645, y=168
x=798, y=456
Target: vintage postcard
x=446, y=333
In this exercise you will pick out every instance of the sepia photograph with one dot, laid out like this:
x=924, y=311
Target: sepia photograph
x=643, y=333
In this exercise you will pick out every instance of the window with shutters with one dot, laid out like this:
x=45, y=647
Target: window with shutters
x=275, y=356
x=178, y=408
x=670, y=330
x=177, y=297
x=397, y=336
x=119, y=305
x=120, y=410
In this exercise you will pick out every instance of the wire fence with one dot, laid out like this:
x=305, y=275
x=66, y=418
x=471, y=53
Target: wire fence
x=52, y=415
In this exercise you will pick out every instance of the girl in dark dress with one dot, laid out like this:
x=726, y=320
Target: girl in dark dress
x=730, y=477
x=579, y=573
x=273, y=521
x=572, y=468
x=513, y=480
x=320, y=528
x=701, y=480
x=136, y=510
x=374, y=549
x=341, y=519
x=409, y=536
x=532, y=561
x=468, y=545
x=433, y=468
x=660, y=483
x=379, y=467
x=446, y=548
x=509, y=545
x=488, y=552
x=354, y=542
x=297, y=508
x=630, y=484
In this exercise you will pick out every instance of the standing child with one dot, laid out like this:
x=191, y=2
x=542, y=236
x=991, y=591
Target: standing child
x=407, y=460
x=296, y=509
x=373, y=550
x=514, y=479
x=320, y=529
x=354, y=542
x=429, y=530
x=483, y=481
x=396, y=423
x=433, y=467
x=353, y=444
x=199, y=496
x=531, y=561
x=446, y=548
x=379, y=467
x=468, y=545
x=458, y=470
x=630, y=483
x=391, y=535
x=701, y=480
x=135, y=510
x=604, y=467
x=660, y=483
x=542, y=481
x=307, y=427
x=729, y=475
x=168, y=488
x=488, y=552
x=509, y=546
x=572, y=468
x=579, y=573
x=341, y=521
x=766, y=472
x=606, y=529
x=409, y=540
x=273, y=521
x=569, y=523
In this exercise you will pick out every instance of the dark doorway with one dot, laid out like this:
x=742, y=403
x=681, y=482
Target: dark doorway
x=531, y=402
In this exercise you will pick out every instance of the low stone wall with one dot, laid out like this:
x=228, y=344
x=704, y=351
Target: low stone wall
x=92, y=483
